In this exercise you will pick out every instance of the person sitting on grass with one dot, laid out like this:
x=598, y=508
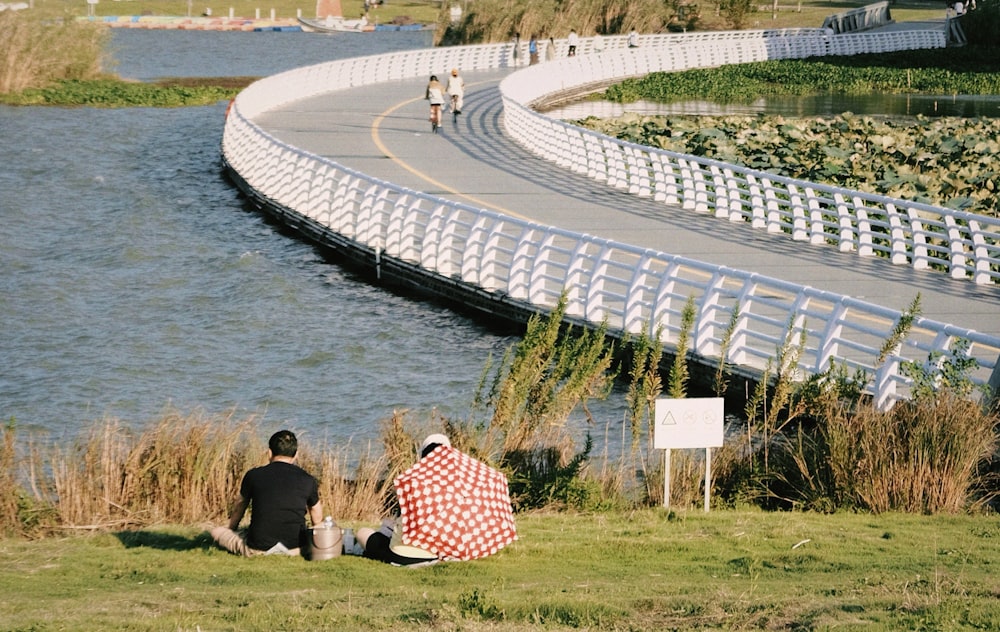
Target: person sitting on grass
x=279, y=495
x=381, y=545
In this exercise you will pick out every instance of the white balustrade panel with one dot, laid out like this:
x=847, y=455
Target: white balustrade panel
x=632, y=289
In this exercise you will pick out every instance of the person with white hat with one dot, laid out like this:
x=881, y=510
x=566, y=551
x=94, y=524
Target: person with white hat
x=384, y=545
x=431, y=442
x=456, y=88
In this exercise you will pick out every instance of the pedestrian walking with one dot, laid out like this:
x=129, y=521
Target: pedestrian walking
x=572, y=41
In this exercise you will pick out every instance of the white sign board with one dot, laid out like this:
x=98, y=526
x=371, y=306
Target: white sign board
x=688, y=423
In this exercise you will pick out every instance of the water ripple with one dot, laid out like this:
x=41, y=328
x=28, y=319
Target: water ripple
x=133, y=278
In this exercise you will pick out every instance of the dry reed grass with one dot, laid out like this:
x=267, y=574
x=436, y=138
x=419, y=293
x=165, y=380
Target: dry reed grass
x=499, y=20
x=36, y=53
x=183, y=469
x=823, y=452
x=923, y=456
x=358, y=492
x=9, y=520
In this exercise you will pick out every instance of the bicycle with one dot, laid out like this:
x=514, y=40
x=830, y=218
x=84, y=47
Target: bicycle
x=435, y=94
x=456, y=88
x=435, y=117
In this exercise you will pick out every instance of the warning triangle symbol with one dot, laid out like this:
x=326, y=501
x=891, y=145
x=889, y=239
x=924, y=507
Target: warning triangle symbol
x=669, y=420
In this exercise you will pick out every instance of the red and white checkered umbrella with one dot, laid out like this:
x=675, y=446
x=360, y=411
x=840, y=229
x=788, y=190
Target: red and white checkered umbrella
x=455, y=506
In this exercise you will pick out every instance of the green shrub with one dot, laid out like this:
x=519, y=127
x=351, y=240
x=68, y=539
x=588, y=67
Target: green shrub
x=982, y=24
x=116, y=93
x=737, y=12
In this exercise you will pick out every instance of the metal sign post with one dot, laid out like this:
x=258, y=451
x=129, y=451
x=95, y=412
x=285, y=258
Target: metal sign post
x=688, y=424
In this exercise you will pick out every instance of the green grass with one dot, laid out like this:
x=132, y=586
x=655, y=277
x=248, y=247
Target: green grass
x=117, y=93
x=648, y=570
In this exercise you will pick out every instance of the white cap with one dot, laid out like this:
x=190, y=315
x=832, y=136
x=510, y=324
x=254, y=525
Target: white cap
x=434, y=438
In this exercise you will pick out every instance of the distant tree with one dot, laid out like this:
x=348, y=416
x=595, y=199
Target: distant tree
x=736, y=12
x=982, y=23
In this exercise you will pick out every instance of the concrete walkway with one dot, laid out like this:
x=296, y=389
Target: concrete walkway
x=383, y=131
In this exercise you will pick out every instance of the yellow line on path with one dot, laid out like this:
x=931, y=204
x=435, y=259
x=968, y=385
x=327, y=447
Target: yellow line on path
x=423, y=176
x=376, y=138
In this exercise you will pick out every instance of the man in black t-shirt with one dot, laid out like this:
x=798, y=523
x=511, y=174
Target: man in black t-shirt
x=279, y=494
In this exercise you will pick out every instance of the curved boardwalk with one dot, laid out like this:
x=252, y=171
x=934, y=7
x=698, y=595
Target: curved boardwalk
x=382, y=131
x=343, y=153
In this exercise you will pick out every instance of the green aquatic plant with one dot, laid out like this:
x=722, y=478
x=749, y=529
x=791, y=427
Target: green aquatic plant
x=947, y=161
x=116, y=93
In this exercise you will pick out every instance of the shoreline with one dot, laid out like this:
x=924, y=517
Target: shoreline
x=235, y=23
x=197, y=23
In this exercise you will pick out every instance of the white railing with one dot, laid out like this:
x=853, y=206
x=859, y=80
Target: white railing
x=964, y=245
x=632, y=289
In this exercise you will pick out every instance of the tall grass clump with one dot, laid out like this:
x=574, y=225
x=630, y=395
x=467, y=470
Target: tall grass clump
x=183, y=469
x=923, y=456
x=352, y=487
x=35, y=53
x=9, y=489
x=685, y=471
x=520, y=413
x=823, y=444
x=519, y=417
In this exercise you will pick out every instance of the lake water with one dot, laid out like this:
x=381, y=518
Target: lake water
x=133, y=278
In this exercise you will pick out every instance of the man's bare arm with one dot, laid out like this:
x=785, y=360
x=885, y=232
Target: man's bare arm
x=236, y=515
x=316, y=513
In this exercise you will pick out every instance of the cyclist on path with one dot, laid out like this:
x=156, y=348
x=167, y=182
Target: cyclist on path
x=456, y=90
x=435, y=94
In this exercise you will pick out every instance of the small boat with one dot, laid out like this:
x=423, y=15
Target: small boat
x=330, y=19
x=335, y=24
